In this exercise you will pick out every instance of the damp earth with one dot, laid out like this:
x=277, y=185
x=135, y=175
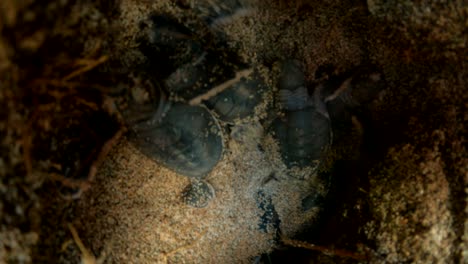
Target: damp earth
x=94, y=166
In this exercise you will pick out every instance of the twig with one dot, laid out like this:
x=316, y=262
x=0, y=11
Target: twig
x=69, y=85
x=71, y=183
x=88, y=66
x=86, y=257
x=343, y=87
x=84, y=185
x=104, y=151
x=324, y=250
x=217, y=89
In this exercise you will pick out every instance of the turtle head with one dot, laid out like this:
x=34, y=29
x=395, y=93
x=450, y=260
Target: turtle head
x=293, y=94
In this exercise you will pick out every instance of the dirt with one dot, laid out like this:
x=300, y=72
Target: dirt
x=399, y=165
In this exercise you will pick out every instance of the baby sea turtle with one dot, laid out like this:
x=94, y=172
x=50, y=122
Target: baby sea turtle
x=303, y=131
x=178, y=130
x=188, y=64
x=182, y=137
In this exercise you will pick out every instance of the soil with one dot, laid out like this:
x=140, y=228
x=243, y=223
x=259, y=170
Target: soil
x=395, y=176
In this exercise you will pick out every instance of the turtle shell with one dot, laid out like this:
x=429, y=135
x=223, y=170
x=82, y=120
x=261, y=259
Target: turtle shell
x=187, y=140
x=303, y=136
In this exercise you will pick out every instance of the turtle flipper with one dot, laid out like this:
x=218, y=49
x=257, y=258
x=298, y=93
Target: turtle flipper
x=354, y=93
x=198, y=194
x=269, y=220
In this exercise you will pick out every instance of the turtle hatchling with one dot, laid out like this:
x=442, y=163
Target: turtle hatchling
x=167, y=125
x=303, y=131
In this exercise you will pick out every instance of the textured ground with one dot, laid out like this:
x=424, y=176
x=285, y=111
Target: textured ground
x=400, y=167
